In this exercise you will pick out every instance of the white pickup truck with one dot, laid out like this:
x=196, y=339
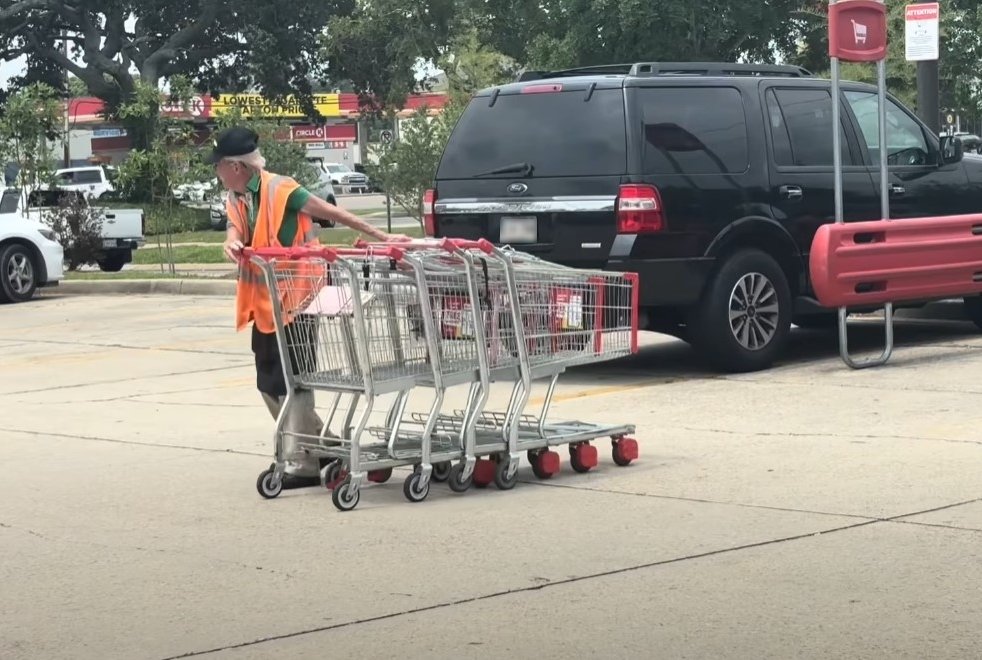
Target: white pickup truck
x=122, y=229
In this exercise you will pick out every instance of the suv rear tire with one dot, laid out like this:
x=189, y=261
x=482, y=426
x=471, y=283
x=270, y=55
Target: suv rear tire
x=973, y=310
x=744, y=319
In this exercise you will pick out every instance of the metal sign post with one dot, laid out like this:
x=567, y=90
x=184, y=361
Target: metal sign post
x=387, y=137
x=858, y=33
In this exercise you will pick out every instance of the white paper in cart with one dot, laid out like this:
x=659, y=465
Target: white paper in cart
x=336, y=301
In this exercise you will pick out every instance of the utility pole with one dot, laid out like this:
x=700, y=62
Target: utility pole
x=928, y=90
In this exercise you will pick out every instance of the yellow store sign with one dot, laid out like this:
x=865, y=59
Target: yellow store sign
x=255, y=105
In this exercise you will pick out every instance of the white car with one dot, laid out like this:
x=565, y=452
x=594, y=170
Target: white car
x=347, y=179
x=96, y=181
x=30, y=257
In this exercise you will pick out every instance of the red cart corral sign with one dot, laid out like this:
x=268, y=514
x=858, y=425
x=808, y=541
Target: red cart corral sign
x=858, y=30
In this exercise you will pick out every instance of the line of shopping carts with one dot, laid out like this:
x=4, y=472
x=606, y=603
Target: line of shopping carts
x=390, y=319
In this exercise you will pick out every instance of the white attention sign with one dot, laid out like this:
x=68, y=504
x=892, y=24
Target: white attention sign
x=922, y=28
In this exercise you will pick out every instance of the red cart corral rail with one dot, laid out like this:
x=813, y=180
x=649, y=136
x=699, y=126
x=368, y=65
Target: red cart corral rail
x=888, y=261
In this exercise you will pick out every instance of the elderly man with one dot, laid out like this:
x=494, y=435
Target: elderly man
x=268, y=210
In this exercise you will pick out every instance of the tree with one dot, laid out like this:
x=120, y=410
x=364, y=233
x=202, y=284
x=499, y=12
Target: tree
x=961, y=51
x=222, y=45
x=377, y=45
x=407, y=167
x=31, y=120
x=567, y=33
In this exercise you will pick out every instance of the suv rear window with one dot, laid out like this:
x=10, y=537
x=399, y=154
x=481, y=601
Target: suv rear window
x=559, y=134
x=694, y=130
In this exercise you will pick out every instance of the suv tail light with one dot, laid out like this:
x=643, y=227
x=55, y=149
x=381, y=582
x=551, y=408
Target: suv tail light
x=639, y=210
x=429, y=218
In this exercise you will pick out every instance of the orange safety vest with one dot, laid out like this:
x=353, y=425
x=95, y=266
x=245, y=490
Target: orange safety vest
x=295, y=281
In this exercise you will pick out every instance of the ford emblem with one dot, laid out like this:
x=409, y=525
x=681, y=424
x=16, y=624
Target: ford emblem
x=517, y=188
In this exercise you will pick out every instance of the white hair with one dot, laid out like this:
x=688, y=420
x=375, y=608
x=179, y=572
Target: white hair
x=252, y=160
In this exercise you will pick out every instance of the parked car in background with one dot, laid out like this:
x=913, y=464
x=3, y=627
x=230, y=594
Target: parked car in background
x=347, y=179
x=372, y=184
x=31, y=257
x=98, y=181
x=709, y=180
x=122, y=229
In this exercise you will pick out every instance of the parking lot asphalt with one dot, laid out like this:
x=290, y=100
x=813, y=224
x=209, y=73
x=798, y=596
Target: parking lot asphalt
x=809, y=511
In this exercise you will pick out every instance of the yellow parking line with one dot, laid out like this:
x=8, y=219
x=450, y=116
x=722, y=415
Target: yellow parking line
x=596, y=391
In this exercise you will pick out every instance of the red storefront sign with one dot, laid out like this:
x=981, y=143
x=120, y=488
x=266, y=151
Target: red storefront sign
x=858, y=30
x=329, y=132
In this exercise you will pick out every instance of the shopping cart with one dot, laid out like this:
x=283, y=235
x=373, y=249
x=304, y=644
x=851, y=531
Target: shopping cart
x=380, y=319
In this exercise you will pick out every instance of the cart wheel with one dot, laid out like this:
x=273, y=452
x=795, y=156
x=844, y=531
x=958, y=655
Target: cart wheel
x=455, y=482
x=583, y=457
x=546, y=464
x=624, y=451
x=483, y=473
x=412, y=489
x=501, y=478
x=380, y=476
x=266, y=486
x=334, y=474
x=441, y=472
x=343, y=497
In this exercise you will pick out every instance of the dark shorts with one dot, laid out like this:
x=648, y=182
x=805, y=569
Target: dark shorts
x=301, y=340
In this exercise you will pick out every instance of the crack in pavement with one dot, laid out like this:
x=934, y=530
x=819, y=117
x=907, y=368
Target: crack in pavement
x=567, y=581
x=510, y=592
x=165, y=349
x=697, y=500
x=163, y=551
x=124, y=380
x=90, y=438
x=839, y=436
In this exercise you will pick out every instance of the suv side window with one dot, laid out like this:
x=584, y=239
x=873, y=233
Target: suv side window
x=695, y=130
x=905, y=140
x=801, y=125
x=88, y=176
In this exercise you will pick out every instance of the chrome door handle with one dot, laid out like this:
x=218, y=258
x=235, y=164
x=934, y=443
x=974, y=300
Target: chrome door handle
x=791, y=192
x=897, y=190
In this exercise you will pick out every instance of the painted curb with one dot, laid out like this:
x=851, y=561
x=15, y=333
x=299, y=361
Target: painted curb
x=147, y=287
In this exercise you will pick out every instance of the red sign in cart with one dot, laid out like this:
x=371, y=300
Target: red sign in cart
x=858, y=30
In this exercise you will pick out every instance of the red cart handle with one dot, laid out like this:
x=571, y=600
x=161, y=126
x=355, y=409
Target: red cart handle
x=448, y=244
x=328, y=254
x=387, y=250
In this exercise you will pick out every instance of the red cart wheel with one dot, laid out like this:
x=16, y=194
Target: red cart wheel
x=546, y=464
x=380, y=476
x=624, y=451
x=583, y=457
x=484, y=473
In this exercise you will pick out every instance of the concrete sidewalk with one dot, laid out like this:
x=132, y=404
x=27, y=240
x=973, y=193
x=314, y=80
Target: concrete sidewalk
x=809, y=511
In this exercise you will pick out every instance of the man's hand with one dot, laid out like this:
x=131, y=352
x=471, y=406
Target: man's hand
x=397, y=238
x=233, y=249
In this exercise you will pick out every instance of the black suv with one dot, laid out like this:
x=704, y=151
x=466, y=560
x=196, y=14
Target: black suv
x=709, y=180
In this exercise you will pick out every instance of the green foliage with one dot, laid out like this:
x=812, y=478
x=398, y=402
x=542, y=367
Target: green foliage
x=79, y=228
x=220, y=45
x=564, y=33
x=31, y=117
x=961, y=52
x=406, y=167
x=377, y=44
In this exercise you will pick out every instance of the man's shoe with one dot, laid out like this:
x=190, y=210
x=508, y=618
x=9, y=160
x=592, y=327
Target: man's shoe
x=293, y=481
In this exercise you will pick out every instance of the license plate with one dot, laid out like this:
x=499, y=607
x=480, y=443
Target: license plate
x=109, y=243
x=523, y=229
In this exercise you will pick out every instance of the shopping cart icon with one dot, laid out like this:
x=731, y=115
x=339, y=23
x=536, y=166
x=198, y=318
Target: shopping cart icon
x=859, y=32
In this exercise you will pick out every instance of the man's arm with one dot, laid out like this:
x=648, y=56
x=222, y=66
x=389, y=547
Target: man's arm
x=233, y=243
x=318, y=208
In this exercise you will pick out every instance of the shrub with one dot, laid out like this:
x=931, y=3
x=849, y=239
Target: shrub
x=79, y=228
